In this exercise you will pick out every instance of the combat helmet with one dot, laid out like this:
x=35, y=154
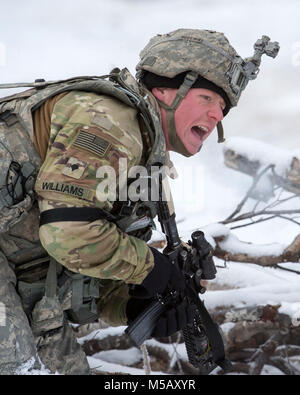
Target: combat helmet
x=204, y=54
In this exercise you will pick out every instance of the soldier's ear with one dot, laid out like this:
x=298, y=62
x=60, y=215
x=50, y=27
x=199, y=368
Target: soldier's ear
x=166, y=95
x=159, y=92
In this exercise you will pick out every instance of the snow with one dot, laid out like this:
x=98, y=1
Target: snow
x=27, y=369
x=271, y=371
x=102, y=365
x=101, y=334
x=233, y=245
x=252, y=285
x=128, y=357
x=256, y=150
x=291, y=309
x=55, y=39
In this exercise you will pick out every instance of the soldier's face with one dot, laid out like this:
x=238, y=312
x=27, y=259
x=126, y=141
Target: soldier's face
x=196, y=116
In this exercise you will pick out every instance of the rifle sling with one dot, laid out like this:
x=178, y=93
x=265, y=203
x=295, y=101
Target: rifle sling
x=74, y=214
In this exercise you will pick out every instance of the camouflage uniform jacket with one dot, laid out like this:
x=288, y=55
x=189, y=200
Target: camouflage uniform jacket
x=89, y=131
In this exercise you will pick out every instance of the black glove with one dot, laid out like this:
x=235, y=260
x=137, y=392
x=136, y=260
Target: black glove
x=173, y=320
x=164, y=273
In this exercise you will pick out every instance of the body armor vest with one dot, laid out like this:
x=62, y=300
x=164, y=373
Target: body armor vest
x=20, y=164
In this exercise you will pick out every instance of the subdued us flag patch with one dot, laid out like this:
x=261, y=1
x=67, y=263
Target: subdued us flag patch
x=92, y=143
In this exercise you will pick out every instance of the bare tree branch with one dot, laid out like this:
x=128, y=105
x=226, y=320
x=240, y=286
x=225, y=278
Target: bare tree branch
x=239, y=162
x=248, y=194
x=263, y=354
x=261, y=212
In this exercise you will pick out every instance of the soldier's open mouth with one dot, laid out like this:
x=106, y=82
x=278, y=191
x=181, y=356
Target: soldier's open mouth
x=199, y=132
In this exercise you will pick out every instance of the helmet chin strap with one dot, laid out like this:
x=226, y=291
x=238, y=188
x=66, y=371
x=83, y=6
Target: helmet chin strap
x=220, y=130
x=174, y=139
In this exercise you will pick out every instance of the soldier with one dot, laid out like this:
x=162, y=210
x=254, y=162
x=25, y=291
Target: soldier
x=100, y=263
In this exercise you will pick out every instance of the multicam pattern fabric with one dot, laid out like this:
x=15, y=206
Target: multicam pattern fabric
x=84, y=136
x=89, y=131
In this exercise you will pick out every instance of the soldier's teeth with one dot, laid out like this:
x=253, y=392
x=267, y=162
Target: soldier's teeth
x=204, y=128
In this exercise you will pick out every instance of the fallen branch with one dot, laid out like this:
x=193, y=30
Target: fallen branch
x=267, y=313
x=146, y=360
x=222, y=251
x=284, y=365
x=93, y=346
x=262, y=355
x=290, y=254
x=239, y=162
x=260, y=335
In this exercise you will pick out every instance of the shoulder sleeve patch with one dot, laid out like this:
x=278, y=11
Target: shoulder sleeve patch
x=74, y=168
x=92, y=143
x=103, y=122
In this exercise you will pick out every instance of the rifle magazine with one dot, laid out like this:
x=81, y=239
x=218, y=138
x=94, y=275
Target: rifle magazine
x=141, y=328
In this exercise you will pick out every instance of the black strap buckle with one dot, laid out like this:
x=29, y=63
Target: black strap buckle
x=9, y=118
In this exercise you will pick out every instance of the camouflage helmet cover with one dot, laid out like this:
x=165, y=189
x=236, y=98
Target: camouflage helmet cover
x=206, y=52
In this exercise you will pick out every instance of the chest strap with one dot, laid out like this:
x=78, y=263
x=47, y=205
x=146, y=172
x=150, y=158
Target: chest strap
x=75, y=214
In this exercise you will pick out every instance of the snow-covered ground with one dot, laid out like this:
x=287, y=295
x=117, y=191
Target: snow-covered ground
x=58, y=39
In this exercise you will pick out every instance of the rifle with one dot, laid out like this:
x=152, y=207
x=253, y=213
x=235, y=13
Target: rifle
x=203, y=340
